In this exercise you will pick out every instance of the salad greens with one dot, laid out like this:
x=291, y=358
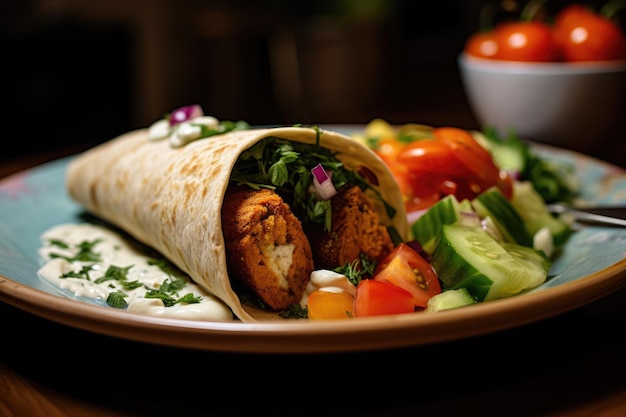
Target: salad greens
x=554, y=181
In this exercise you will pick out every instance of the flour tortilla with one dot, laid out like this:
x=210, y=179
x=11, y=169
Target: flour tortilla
x=170, y=198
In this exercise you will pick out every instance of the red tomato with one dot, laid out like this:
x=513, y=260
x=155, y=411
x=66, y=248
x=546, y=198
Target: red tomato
x=477, y=160
x=405, y=268
x=583, y=35
x=433, y=172
x=482, y=45
x=325, y=305
x=430, y=155
x=451, y=163
x=379, y=298
x=525, y=41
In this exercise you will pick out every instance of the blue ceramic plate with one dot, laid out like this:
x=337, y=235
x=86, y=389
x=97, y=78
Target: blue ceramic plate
x=592, y=265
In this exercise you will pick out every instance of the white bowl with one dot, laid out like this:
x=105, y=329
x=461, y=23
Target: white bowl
x=565, y=104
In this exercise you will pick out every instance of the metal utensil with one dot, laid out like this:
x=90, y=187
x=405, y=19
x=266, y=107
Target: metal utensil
x=610, y=215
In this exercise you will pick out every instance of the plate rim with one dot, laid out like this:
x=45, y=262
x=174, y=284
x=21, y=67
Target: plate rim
x=300, y=336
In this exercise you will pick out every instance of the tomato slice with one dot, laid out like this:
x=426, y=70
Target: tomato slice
x=431, y=155
x=483, y=172
x=449, y=162
x=380, y=298
x=467, y=152
x=326, y=305
x=406, y=268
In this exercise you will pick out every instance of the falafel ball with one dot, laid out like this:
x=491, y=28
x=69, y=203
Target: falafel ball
x=356, y=229
x=266, y=247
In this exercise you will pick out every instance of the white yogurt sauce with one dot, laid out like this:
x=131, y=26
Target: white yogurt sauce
x=116, y=251
x=326, y=280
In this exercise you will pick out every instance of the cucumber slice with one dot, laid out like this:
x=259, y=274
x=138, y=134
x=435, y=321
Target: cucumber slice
x=510, y=154
x=446, y=211
x=449, y=299
x=492, y=203
x=532, y=208
x=532, y=258
x=468, y=257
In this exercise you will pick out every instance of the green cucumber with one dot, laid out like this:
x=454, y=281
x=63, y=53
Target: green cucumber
x=450, y=299
x=446, y=211
x=510, y=154
x=492, y=203
x=532, y=208
x=533, y=258
x=468, y=257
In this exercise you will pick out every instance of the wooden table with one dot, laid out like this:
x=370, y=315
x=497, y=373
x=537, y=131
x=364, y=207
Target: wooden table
x=570, y=365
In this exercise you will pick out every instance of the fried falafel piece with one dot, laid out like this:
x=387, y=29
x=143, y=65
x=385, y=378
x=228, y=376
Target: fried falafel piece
x=356, y=229
x=266, y=247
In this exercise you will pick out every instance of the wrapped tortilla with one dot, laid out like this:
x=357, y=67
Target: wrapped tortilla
x=171, y=197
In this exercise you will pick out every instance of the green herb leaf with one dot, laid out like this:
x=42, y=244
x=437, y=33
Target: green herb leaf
x=117, y=299
x=83, y=273
x=189, y=298
x=295, y=311
x=58, y=243
x=168, y=291
x=85, y=253
x=114, y=273
x=360, y=268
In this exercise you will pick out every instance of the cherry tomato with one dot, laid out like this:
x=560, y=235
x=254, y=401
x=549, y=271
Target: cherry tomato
x=406, y=268
x=379, y=298
x=583, y=35
x=326, y=305
x=530, y=41
x=482, y=45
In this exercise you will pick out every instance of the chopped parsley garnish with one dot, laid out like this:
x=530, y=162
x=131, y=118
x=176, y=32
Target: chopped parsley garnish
x=114, y=273
x=358, y=269
x=58, y=243
x=117, y=299
x=85, y=251
x=83, y=273
x=119, y=276
x=295, y=311
x=169, y=290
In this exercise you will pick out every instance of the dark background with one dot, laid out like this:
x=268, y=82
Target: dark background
x=79, y=72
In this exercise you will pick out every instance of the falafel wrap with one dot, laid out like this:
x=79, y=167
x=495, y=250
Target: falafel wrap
x=243, y=209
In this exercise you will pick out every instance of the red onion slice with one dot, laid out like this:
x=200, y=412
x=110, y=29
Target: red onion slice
x=324, y=187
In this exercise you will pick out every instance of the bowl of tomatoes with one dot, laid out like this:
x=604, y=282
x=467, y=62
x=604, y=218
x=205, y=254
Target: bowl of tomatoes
x=559, y=80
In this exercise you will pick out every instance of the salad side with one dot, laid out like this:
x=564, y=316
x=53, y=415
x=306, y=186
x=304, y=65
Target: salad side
x=477, y=208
